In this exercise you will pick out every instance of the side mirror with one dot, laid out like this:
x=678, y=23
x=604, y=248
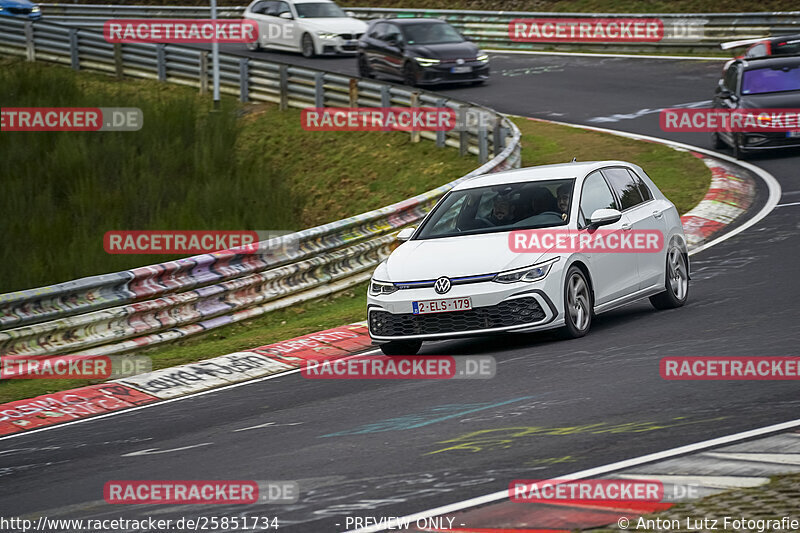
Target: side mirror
x=351, y=14
x=405, y=234
x=286, y=15
x=604, y=217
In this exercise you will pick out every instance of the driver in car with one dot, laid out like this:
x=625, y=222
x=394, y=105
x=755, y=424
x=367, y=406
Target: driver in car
x=502, y=211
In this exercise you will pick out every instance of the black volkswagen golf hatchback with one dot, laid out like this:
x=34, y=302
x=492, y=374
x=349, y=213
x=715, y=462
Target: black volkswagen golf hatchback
x=420, y=51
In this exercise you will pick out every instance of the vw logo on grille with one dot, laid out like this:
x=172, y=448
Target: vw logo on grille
x=459, y=61
x=442, y=285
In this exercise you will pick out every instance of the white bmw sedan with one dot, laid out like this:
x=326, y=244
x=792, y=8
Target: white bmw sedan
x=527, y=250
x=313, y=27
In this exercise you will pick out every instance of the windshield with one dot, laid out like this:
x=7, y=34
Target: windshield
x=319, y=10
x=514, y=206
x=431, y=33
x=771, y=80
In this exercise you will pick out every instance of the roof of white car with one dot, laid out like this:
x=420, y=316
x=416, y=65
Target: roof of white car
x=543, y=172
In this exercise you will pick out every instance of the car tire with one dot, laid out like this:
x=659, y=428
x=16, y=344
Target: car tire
x=307, y=46
x=578, y=305
x=401, y=347
x=363, y=67
x=676, y=284
x=716, y=141
x=409, y=76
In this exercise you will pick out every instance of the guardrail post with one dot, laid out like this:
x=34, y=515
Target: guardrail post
x=203, y=67
x=161, y=62
x=415, y=137
x=353, y=92
x=30, y=50
x=319, y=89
x=463, y=135
x=441, y=135
x=500, y=133
x=74, y=56
x=244, y=79
x=386, y=96
x=118, y=65
x=483, y=144
x=283, y=84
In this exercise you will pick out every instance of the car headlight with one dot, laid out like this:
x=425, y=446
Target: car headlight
x=36, y=9
x=376, y=288
x=426, y=62
x=484, y=58
x=529, y=273
x=326, y=35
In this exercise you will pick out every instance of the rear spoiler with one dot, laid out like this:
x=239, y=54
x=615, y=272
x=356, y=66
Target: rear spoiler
x=744, y=42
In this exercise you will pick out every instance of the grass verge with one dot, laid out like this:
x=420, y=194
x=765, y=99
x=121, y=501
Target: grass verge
x=682, y=177
x=244, y=168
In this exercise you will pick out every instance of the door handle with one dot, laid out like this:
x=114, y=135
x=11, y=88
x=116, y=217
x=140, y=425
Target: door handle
x=657, y=213
x=626, y=227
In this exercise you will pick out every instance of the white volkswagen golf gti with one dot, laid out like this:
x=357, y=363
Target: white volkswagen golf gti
x=527, y=250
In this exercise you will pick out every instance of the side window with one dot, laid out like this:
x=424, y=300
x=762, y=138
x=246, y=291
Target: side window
x=758, y=50
x=282, y=7
x=378, y=31
x=595, y=195
x=643, y=188
x=626, y=189
x=262, y=7
x=392, y=31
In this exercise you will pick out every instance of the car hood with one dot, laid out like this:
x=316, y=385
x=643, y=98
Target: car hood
x=335, y=25
x=790, y=99
x=420, y=260
x=16, y=3
x=462, y=50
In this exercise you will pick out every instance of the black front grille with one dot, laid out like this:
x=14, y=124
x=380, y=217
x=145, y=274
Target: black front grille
x=19, y=10
x=509, y=313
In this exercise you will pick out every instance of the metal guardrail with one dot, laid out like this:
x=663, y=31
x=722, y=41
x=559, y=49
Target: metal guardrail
x=702, y=31
x=140, y=307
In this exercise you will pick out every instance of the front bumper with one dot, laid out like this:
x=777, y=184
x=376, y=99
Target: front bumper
x=443, y=73
x=338, y=45
x=21, y=13
x=496, y=308
x=753, y=142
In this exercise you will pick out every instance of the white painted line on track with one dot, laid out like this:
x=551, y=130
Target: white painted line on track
x=772, y=184
x=605, y=469
x=162, y=402
x=601, y=54
x=787, y=205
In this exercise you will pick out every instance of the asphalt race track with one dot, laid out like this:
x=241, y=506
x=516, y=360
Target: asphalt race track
x=392, y=448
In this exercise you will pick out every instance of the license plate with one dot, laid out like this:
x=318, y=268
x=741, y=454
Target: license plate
x=350, y=43
x=793, y=134
x=425, y=307
x=461, y=70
